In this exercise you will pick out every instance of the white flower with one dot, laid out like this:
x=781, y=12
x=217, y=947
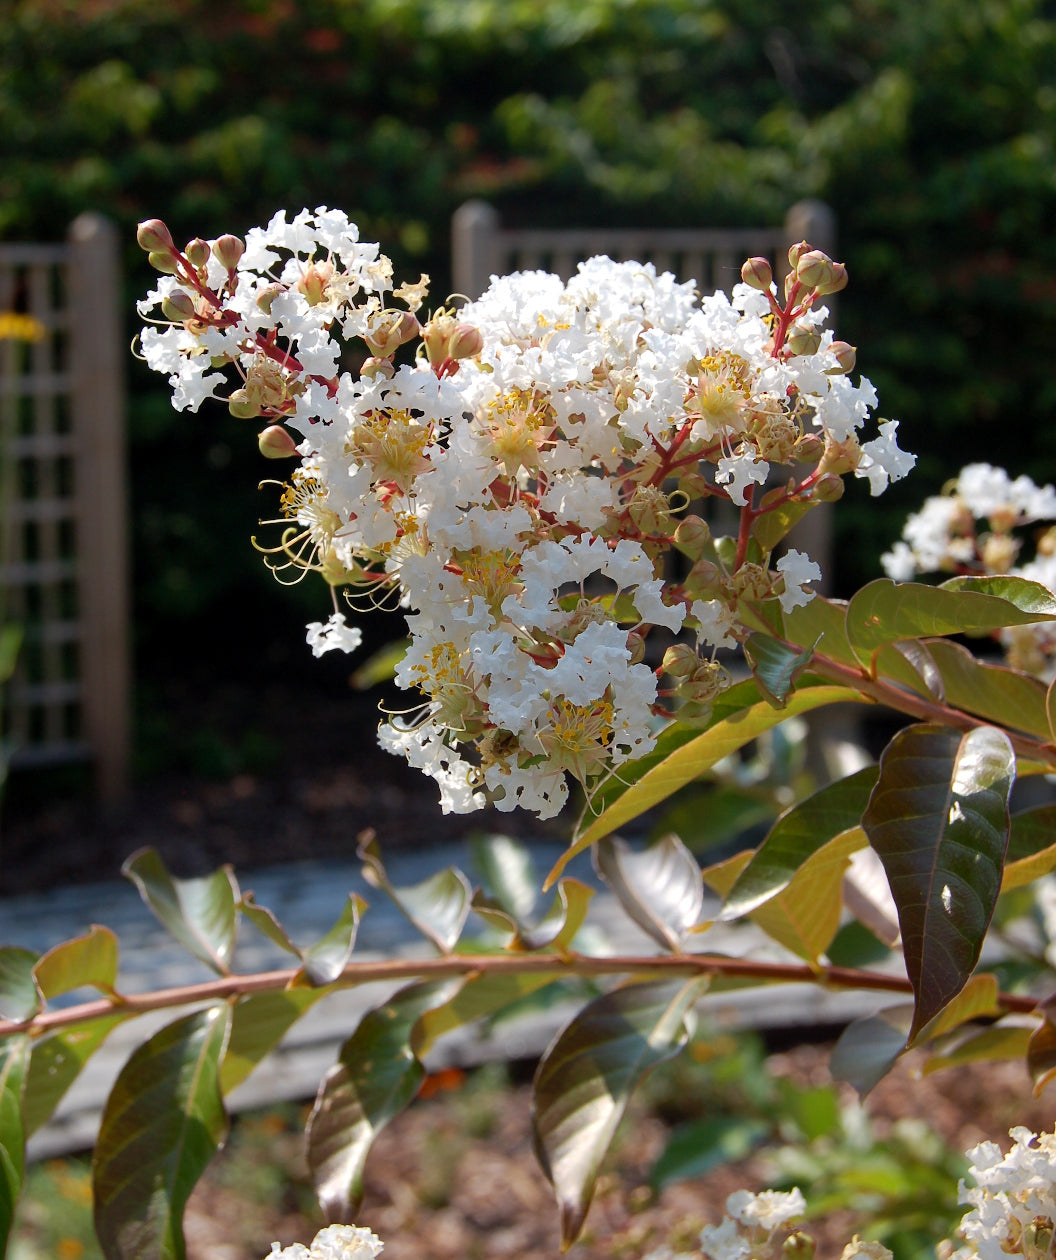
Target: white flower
x=333, y=634
x=769, y=1210
x=335, y=1242
x=724, y=1242
x=882, y=461
x=797, y=569
x=737, y=472
x=869, y=1250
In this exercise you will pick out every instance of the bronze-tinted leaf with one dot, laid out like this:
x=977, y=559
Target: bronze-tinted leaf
x=200, y=913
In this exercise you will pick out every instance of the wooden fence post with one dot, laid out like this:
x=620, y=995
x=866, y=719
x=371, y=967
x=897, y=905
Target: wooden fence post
x=98, y=411
x=474, y=229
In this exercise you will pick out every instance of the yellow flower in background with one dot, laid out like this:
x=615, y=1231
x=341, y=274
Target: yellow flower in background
x=16, y=327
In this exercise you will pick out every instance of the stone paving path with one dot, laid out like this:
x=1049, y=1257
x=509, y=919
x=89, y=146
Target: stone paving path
x=306, y=898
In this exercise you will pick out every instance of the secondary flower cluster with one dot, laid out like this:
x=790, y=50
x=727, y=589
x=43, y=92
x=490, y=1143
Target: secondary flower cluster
x=979, y=526
x=521, y=485
x=335, y=1242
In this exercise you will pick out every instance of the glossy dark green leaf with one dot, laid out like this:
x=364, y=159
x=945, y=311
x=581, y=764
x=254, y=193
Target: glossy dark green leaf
x=162, y=1124
x=327, y=958
x=200, y=913
x=799, y=833
x=57, y=1062
x=693, y=758
x=437, y=907
x=870, y=1047
x=20, y=998
x=1031, y=847
x=89, y=960
x=910, y=664
x=994, y=692
x=659, y=887
x=938, y=819
x=266, y=923
x=884, y=611
x=585, y=1080
x=258, y=1023
x=14, y=1057
x=377, y=1074
x=696, y=1148
x=775, y=665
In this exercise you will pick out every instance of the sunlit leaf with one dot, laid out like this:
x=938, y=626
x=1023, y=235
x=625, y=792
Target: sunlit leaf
x=884, y=611
x=20, y=998
x=693, y=758
x=377, y=1074
x=994, y=692
x=200, y=913
x=14, y=1056
x=1031, y=847
x=162, y=1124
x=380, y=666
x=911, y=664
x=89, y=960
x=938, y=819
x=437, y=907
x=586, y=1077
x=57, y=1062
x=557, y=928
x=479, y=997
x=870, y=1047
x=774, y=523
x=508, y=874
x=1041, y=1052
x=266, y=923
x=775, y=665
x=659, y=887
x=327, y=958
x=1002, y=1041
x=1050, y=709
x=978, y=998
x=258, y=1023
x=796, y=836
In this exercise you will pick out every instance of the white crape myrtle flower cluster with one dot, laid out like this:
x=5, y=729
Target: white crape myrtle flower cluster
x=980, y=525
x=520, y=484
x=1013, y=1202
x=335, y=1242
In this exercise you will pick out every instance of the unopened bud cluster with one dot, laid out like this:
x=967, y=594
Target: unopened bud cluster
x=518, y=472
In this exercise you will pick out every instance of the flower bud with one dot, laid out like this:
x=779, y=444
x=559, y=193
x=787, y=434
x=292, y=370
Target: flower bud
x=391, y=330
x=636, y=647
x=465, y=342
x=178, y=306
x=680, y=661
x=436, y=337
x=228, y=250
x=154, y=236
x=836, y=280
x=692, y=536
x=808, y=448
x=314, y=281
x=803, y=340
x=241, y=406
x=163, y=262
x=798, y=1246
x=276, y=443
x=845, y=355
x=757, y=273
x=828, y=488
x=373, y=367
x=268, y=295
x=796, y=252
x=706, y=581
x=813, y=269
x=197, y=252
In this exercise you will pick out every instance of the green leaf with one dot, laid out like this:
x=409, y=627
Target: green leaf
x=327, y=958
x=267, y=924
x=799, y=833
x=775, y=665
x=377, y=1074
x=870, y=1047
x=821, y=624
x=258, y=1023
x=994, y=692
x=938, y=819
x=89, y=960
x=1002, y=1041
x=586, y=1077
x=557, y=928
x=769, y=528
x=1031, y=847
x=696, y=1148
x=162, y=1124
x=380, y=666
x=20, y=998
x=479, y=997
x=1050, y=709
x=884, y=612
x=804, y=916
x=693, y=758
x=200, y=913
x=911, y=664
x=659, y=887
x=508, y=874
x=978, y=998
x=57, y=1062
x=1041, y=1052
x=14, y=1056
x=437, y=907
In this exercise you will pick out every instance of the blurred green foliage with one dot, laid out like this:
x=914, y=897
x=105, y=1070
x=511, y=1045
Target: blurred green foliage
x=929, y=128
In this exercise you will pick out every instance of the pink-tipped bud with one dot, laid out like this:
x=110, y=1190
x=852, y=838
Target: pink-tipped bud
x=808, y=448
x=636, y=647
x=845, y=355
x=313, y=283
x=391, y=330
x=241, y=406
x=802, y=340
x=228, y=250
x=276, y=443
x=465, y=342
x=197, y=252
x=162, y=261
x=178, y=306
x=692, y=536
x=813, y=269
x=828, y=488
x=154, y=236
x=268, y=295
x=374, y=367
x=757, y=273
x=836, y=281
x=796, y=252
x=680, y=661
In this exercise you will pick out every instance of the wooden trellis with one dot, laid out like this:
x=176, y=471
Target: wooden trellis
x=63, y=541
